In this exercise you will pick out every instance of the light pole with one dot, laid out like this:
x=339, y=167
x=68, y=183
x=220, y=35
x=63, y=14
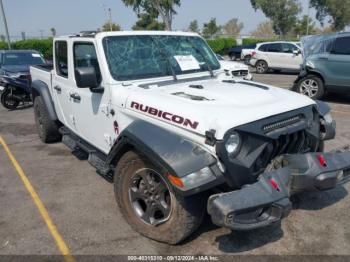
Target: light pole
x=110, y=19
x=108, y=12
x=41, y=34
x=308, y=17
x=5, y=25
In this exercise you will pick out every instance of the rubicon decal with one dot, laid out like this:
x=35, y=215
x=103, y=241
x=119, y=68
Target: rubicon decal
x=165, y=115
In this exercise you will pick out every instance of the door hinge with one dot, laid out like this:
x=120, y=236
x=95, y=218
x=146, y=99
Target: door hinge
x=109, y=139
x=107, y=109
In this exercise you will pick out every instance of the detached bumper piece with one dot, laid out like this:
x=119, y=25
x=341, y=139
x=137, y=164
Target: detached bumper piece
x=267, y=201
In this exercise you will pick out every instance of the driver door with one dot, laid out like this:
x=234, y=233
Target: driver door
x=93, y=120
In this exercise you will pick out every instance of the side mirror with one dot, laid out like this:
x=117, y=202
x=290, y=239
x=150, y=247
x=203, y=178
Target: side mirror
x=297, y=52
x=85, y=77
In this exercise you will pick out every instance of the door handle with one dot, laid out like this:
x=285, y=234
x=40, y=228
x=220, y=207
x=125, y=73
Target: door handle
x=75, y=96
x=323, y=58
x=58, y=88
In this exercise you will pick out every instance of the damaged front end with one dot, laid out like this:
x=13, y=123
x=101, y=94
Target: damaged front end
x=270, y=160
x=267, y=201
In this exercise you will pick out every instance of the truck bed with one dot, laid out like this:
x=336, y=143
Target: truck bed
x=46, y=67
x=41, y=73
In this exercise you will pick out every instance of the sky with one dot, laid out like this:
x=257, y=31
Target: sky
x=73, y=16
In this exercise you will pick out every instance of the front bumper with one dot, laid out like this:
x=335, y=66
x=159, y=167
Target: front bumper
x=268, y=200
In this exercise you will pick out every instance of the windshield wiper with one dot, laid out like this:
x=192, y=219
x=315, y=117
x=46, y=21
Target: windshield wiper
x=163, y=53
x=202, y=55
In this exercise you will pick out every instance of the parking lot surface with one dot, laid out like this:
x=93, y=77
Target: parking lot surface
x=82, y=207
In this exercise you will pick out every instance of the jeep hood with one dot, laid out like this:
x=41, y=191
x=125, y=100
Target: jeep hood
x=212, y=104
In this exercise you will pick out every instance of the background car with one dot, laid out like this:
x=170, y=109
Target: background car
x=326, y=65
x=247, y=52
x=277, y=56
x=236, y=52
x=235, y=69
x=16, y=63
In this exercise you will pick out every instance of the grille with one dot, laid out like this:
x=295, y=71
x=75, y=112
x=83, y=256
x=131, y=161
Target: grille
x=295, y=143
x=240, y=73
x=281, y=124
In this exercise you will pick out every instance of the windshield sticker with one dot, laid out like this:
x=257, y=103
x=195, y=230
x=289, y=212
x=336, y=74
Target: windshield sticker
x=187, y=62
x=36, y=55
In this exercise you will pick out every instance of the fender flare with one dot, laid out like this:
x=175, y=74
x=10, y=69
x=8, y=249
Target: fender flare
x=39, y=88
x=168, y=151
x=322, y=108
x=328, y=125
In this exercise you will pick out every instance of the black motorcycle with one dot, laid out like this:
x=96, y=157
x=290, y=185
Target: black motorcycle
x=15, y=80
x=16, y=90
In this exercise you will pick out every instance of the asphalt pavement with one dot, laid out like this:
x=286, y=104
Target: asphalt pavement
x=81, y=206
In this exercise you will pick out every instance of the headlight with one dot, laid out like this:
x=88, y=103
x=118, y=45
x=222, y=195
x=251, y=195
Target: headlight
x=328, y=118
x=232, y=144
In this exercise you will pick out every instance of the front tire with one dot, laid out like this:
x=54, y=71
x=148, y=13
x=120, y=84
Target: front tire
x=261, y=67
x=311, y=86
x=149, y=204
x=47, y=129
x=7, y=102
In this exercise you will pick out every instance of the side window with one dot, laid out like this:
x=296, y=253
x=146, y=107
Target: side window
x=274, y=48
x=289, y=48
x=342, y=46
x=85, y=56
x=61, y=58
x=263, y=48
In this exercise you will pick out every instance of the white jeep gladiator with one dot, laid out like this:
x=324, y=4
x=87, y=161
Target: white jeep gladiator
x=155, y=114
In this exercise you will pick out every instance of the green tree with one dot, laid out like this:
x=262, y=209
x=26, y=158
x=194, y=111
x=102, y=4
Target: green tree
x=193, y=27
x=211, y=28
x=337, y=10
x=147, y=22
x=163, y=8
x=107, y=27
x=283, y=13
x=53, y=31
x=301, y=25
x=2, y=38
x=233, y=27
x=264, y=30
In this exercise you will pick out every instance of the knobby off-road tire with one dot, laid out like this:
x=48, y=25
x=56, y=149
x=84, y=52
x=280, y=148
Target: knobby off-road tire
x=47, y=129
x=185, y=214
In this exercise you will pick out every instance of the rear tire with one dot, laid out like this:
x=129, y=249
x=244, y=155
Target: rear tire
x=177, y=218
x=311, y=86
x=7, y=102
x=47, y=129
x=261, y=67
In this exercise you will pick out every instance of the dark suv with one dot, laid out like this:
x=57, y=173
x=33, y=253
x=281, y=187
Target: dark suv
x=326, y=65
